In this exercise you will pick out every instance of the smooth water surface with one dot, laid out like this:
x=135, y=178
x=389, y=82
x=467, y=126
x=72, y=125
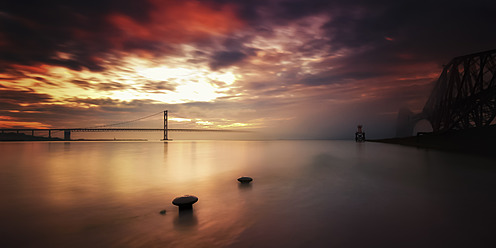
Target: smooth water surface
x=304, y=194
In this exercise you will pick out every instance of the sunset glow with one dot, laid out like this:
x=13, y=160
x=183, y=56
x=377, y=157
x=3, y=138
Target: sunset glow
x=270, y=65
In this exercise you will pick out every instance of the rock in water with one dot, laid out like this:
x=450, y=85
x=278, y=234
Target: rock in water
x=162, y=212
x=185, y=201
x=245, y=179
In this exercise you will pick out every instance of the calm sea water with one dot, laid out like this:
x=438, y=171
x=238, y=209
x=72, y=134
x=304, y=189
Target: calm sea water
x=304, y=194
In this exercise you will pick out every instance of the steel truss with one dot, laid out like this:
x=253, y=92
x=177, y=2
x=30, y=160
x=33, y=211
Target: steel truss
x=465, y=93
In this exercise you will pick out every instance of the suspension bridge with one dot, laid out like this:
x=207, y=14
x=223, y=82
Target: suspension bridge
x=463, y=97
x=112, y=128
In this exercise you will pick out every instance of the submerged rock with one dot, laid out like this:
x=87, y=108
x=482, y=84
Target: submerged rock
x=245, y=179
x=185, y=202
x=162, y=212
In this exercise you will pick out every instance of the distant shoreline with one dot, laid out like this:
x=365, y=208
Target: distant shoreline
x=7, y=137
x=477, y=141
x=110, y=140
x=25, y=137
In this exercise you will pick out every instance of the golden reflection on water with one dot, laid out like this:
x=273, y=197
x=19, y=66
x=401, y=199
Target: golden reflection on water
x=80, y=194
x=120, y=188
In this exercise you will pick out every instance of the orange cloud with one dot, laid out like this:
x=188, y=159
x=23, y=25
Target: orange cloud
x=42, y=69
x=23, y=124
x=6, y=117
x=178, y=22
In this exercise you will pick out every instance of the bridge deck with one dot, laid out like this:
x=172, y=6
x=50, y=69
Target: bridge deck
x=116, y=130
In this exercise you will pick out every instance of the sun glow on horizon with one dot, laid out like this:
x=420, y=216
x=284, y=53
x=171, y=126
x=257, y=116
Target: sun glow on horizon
x=191, y=84
x=134, y=79
x=164, y=73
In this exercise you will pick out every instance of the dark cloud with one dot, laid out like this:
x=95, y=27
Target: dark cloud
x=435, y=30
x=34, y=32
x=321, y=79
x=266, y=89
x=96, y=102
x=45, y=81
x=291, y=10
x=113, y=86
x=236, y=44
x=82, y=35
x=82, y=84
x=234, y=50
x=158, y=87
x=430, y=30
x=23, y=96
x=225, y=59
x=348, y=70
x=19, y=100
x=379, y=37
x=248, y=10
x=315, y=46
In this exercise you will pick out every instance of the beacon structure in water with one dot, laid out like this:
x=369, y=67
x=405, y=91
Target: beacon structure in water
x=359, y=135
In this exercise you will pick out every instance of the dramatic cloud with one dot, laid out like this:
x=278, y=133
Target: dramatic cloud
x=293, y=68
x=226, y=58
x=22, y=97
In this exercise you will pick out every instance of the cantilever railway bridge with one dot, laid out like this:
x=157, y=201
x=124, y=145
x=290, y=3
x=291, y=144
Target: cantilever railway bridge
x=108, y=128
x=464, y=96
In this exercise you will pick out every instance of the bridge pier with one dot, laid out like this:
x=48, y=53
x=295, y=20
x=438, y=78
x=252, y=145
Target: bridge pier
x=67, y=134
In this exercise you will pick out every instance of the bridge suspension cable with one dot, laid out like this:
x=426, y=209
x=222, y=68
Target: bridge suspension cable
x=124, y=122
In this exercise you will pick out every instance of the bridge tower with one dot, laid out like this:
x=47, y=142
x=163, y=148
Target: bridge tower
x=166, y=128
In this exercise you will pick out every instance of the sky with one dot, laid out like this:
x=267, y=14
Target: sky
x=286, y=68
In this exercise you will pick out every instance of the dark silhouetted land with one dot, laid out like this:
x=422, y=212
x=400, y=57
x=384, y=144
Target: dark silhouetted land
x=478, y=141
x=24, y=137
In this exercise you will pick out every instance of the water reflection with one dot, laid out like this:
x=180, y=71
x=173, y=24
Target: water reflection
x=186, y=220
x=331, y=193
x=166, y=147
x=244, y=186
x=360, y=147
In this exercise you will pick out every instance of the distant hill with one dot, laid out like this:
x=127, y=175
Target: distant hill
x=480, y=141
x=23, y=137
